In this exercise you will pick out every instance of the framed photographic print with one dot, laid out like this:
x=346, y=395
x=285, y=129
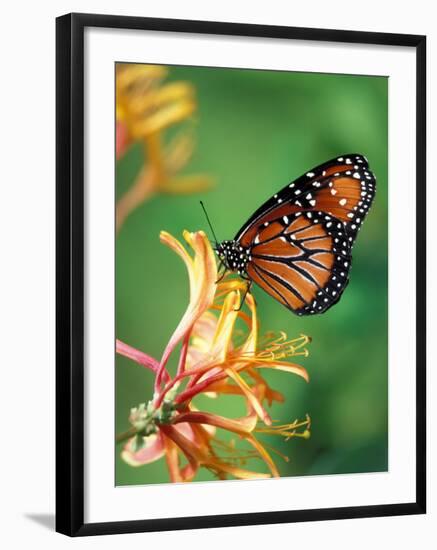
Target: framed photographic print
x=240, y=274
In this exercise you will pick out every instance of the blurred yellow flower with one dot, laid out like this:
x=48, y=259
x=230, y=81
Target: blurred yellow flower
x=146, y=106
x=216, y=358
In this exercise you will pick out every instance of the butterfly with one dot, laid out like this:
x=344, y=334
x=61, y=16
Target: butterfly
x=297, y=245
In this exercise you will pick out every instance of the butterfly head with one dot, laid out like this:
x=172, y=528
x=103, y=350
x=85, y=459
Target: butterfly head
x=233, y=256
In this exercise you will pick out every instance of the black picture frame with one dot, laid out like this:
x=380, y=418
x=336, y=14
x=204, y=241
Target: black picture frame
x=70, y=273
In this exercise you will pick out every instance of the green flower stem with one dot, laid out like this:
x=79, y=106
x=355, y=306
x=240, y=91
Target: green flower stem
x=126, y=435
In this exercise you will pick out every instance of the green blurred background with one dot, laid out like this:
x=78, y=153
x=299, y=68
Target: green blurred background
x=255, y=132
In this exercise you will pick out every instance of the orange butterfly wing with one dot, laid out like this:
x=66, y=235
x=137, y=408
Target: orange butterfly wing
x=303, y=264
x=300, y=240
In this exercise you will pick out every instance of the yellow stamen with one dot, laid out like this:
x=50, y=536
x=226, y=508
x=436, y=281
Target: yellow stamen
x=288, y=430
x=279, y=347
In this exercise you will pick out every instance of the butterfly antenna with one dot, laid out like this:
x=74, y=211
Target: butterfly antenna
x=209, y=222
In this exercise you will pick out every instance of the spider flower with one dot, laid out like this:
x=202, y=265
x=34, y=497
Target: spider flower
x=146, y=106
x=219, y=352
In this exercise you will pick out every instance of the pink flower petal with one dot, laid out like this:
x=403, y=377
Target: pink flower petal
x=139, y=357
x=153, y=450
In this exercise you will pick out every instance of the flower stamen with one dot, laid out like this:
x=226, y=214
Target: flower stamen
x=288, y=431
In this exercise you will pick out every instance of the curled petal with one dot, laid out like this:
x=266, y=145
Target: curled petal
x=225, y=325
x=243, y=425
x=177, y=247
x=138, y=356
x=223, y=386
x=201, y=338
x=226, y=285
x=250, y=345
x=188, y=472
x=263, y=453
x=187, y=431
x=152, y=450
x=202, y=272
x=250, y=395
x=286, y=367
x=269, y=394
x=194, y=454
x=206, y=430
x=205, y=268
x=172, y=459
x=177, y=474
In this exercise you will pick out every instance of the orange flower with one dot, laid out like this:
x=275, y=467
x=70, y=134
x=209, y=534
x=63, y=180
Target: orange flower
x=145, y=108
x=212, y=363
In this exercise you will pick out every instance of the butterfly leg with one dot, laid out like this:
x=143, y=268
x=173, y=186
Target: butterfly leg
x=223, y=274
